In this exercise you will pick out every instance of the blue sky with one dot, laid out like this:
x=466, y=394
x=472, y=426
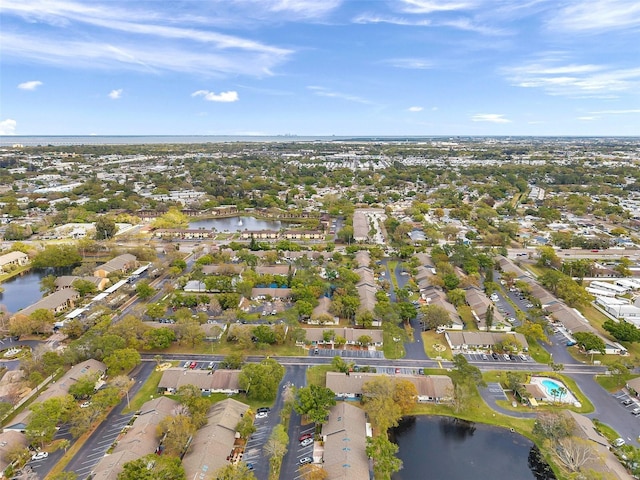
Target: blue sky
x=320, y=67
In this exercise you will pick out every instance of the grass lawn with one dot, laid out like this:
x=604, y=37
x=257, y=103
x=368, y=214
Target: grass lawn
x=223, y=347
x=467, y=317
x=391, y=265
x=148, y=391
x=611, y=383
x=391, y=348
x=429, y=339
x=316, y=375
x=538, y=353
x=13, y=273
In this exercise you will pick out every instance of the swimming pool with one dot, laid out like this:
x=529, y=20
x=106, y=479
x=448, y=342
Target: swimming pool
x=554, y=390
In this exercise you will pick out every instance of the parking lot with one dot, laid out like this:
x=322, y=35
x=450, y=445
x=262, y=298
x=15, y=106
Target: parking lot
x=628, y=402
x=329, y=352
x=101, y=447
x=487, y=357
x=253, y=454
x=300, y=451
x=198, y=365
x=496, y=391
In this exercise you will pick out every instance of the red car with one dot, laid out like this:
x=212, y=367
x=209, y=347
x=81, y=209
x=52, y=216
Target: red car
x=595, y=251
x=305, y=436
x=193, y=365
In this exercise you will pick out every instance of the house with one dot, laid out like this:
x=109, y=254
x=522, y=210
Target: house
x=61, y=387
x=282, y=270
x=351, y=335
x=604, y=460
x=56, y=303
x=228, y=269
x=184, y=234
x=212, y=446
x=633, y=386
x=13, y=259
x=324, y=304
x=435, y=296
x=430, y=388
x=66, y=281
x=482, y=340
x=262, y=293
x=480, y=304
x=363, y=258
x=218, y=381
x=260, y=234
x=303, y=235
x=139, y=440
x=346, y=425
x=120, y=264
x=10, y=440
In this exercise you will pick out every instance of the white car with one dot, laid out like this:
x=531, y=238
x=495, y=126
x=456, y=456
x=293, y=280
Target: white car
x=262, y=415
x=85, y=405
x=306, y=442
x=39, y=455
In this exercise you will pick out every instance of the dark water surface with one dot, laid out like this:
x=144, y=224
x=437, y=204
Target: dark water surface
x=444, y=448
x=22, y=290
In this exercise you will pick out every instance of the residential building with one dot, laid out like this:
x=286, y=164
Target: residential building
x=351, y=335
x=56, y=303
x=212, y=446
x=216, y=381
x=482, y=340
x=120, y=264
x=139, y=440
x=346, y=424
x=13, y=259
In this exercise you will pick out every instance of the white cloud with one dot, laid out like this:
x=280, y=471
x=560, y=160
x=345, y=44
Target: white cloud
x=430, y=6
x=415, y=109
x=323, y=92
x=150, y=40
x=490, y=117
x=8, y=127
x=575, y=80
x=115, y=94
x=30, y=85
x=587, y=118
x=301, y=8
x=410, y=63
x=616, y=112
x=596, y=16
x=223, y=97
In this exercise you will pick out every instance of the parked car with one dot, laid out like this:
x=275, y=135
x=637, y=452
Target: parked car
x=494, y=355
x=193, y=364
x=618, y=442
x=305, y=460
x=262, y=415
x=484, y=356
x=39, y=455
x=523, y=357
x=506, y=356
x=635, y=411
x=85, y=404
x=304, y=436
x=306, y=442
x=263, y=410
x=627, y=401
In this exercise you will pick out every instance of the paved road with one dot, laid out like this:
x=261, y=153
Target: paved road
x=96, y=446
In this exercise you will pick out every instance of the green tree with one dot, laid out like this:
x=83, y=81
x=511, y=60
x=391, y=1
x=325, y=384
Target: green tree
x=315, y=402
x=378, y=400
x=57, y=256
x=590, y=342
x=456, y=297
x=155, y=310
x=383, y=452
x=45, y=416
x=465, y=372
x=237, y=471
x=153, y=467
x=177, y=430
x=159, y=338
x=84, y=387
x=622, y=331
x=144, y=290
x=106, y=227
x=122, y=360
x=434, y=316
x=260, y=380
x=84, y=287
x=173, y=218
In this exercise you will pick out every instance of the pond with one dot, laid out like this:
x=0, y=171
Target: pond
x=448, y=448
x=22, y=290
x=236, y=224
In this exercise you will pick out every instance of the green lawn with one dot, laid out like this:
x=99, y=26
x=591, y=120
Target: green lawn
x=391, y=348
x=316, y=375
x=430, y=339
